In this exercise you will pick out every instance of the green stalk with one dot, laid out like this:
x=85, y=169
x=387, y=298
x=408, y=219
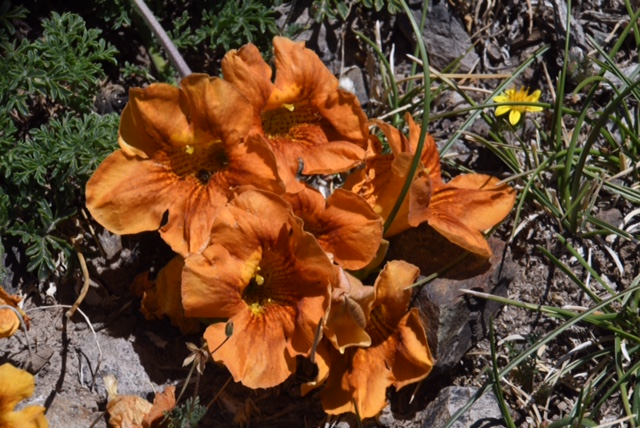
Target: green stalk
x=541, y=342
x=425, y=118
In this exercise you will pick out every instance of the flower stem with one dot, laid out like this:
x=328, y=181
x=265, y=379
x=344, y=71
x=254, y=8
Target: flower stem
x=174, y=56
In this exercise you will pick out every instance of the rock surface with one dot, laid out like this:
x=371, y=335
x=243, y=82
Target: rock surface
x=454, y=322
x=485, y=413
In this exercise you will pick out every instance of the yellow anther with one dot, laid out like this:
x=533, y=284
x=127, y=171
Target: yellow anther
x=259, y=279
x=188, y=149
x=289, y=107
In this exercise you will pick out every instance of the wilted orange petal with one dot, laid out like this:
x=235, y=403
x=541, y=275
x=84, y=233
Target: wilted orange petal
x=392, y=290
x=369, y=390
x=349, y=313
x=399, y=343
x=322, y=362
x=127, y=411
x=336, y=394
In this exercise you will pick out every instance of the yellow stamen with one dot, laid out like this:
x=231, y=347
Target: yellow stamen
x=289, y=107
x=188, y=149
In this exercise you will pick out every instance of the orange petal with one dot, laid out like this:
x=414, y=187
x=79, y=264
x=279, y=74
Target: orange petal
x=127, y=411
x=323, y=362
x=163, y=402
x=28, y=417
x=129, y=197
x=489, y=205
x=9, y=321
x=396, y=139
x=336, y=395
x=455, y=231
x=150, y=117
x=413, y=360
x=349, y=313
x=391, y=288
x=15, y=386
x=462, y=208
x=256, y=354
x=430, y=157
x=395, y=336
x=164, y=299
x=370, y=392
x=344, y=225
x=248, y=72
x=308, y=117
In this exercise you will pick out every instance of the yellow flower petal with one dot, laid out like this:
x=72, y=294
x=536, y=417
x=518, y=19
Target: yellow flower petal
x=514, y=117
x=535, y=96
x=502, y=110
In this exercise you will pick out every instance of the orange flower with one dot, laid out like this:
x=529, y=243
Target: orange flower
x=269, y=277
x=15, y=386
x=398, y=355
x=380, y=183
x=344, y=225
x=163, y=297
x=303, y=113
x=182, y=151
x=9, y=321
x=459, y=209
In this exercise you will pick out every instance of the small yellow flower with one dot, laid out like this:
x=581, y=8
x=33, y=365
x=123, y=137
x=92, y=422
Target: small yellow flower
x=519, y=96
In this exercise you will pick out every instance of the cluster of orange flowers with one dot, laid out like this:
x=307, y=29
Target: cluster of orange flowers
x=220, y=165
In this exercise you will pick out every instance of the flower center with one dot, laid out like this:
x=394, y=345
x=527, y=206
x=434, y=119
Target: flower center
x=520, y=96
x=269, y=285
x=283, y=121
x=201, y=161
x=379, y=328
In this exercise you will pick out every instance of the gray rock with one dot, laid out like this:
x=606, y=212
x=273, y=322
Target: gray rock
x=485, y=413
x=454, y=321
x=352, y=80
x=445, y=37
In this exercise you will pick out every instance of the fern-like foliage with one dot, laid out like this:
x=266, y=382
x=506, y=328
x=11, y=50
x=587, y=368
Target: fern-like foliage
x=50, y=140
x=187, y=414
x=63, y=66
x=340, y=9
x=227, y=25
